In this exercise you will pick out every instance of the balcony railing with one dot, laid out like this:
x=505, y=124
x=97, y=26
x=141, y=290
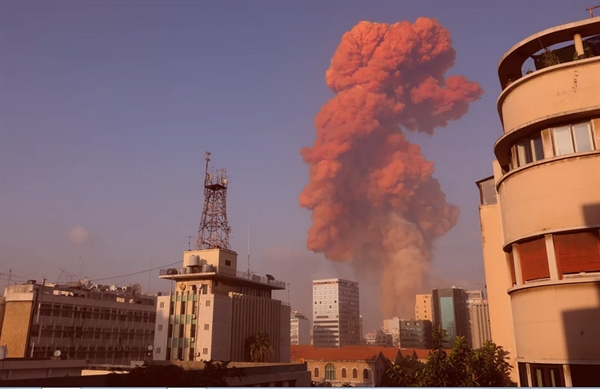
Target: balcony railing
x=212, y=269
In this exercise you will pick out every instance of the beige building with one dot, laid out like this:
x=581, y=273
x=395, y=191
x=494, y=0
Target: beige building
x=479, y=318
x=214, y=309
x=101, y=324
x=540, y=212
x=336, y=313
x=424, y=307
x=299, y=329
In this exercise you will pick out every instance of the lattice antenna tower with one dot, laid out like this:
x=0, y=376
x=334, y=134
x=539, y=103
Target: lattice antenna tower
x=214, y=230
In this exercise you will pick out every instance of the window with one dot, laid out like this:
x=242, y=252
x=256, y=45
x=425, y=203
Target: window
x=227, y=262
x=533, y=258
x=329, y=372
x=158, y=350
x=523, y=375
x=208, y=303
x=344, y=372
x=575, y=138
x=316, y=375
x=162, y=304
x=365, y=374
x=206, y=326
x=577, y=252
x=547, y=375
x=354, y=373
x=160, y=327
x=205, y=350
x=529, y=150
x=511, y=266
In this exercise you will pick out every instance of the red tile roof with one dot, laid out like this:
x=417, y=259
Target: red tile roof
x=352, y=353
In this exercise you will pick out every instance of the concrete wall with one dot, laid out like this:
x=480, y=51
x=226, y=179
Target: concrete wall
x=557, y=191
x=376, y=370
x=551, y=92
x=15, y=328
x=215, y=257
x=498, y=280
x=161, y=328
x=220, y=320
x=558, y=323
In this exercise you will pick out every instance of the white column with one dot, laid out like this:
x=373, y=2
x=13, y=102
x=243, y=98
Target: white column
x=578, y=45
x=567, y=374
x=517, y=262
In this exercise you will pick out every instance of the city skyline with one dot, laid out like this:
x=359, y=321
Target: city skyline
x=105, y=122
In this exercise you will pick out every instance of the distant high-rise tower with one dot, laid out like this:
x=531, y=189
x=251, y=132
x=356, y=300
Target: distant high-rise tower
x=479, y=318
x=450, y=313
x=336, y=317
x=214, y=229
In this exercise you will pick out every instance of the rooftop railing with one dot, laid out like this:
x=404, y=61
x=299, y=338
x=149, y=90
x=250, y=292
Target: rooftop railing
x=212, y=269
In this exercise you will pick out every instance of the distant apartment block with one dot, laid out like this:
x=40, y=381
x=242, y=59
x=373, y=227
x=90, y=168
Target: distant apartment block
x=450, y=313
x=479, y=318
x=299, y=329
x=392, y=327
x=424, y=307
x=540, y=211
x=415, y=334
x=336, y=317
x=215, y=309
x=102, y=324
x=379, y=338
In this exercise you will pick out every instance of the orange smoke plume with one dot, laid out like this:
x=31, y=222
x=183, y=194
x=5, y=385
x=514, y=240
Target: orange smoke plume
x=373, y=199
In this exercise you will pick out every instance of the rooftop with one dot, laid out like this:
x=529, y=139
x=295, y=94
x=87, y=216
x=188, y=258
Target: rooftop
x=352, y=353
x=209, y=272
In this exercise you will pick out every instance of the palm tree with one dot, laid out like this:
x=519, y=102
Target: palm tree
x=259, y=347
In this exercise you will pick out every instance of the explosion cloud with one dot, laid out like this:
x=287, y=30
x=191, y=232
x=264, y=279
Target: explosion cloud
x=373, y=199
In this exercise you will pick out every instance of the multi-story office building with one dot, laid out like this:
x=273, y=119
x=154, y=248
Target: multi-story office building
x=540, y=211
x=450, y=313
x=415, y=334
x=479, y=318
x=424, y=307
x=379, y=338
x=215, y=310
x=299, y=329
x=103, y=324
x=336, y=317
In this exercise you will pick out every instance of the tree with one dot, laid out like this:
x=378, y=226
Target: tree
x=460, y=367
x=214, y=373
x=259, y=347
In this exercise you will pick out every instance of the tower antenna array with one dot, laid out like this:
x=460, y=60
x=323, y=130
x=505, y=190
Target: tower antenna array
x=214, y=229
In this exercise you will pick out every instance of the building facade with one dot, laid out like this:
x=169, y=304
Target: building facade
x=299, y=329
x=415, y=334
x=479, y=318
x=101, y=324
x=379, y=338
x=336, y=313
x=215, y=310
x=450, y=313
x=392, y=328
x=540, y=211
x=424, y=307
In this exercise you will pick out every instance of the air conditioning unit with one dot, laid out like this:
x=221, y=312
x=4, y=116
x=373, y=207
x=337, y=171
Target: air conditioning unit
x=192, y=339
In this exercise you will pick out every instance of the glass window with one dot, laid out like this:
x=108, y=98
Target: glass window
x=354, y=373
x=316, y=372
x=366, y=374
x=583, y=137
x=524, y=153
x=329, y=372
x=562, y=140
x=344, y=373
x=538, y=148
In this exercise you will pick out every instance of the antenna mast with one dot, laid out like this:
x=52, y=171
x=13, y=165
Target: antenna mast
x=591, y=9
x=248, y=251
x=214, y=230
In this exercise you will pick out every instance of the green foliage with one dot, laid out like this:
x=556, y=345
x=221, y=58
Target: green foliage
x=214, y=374
x=258, y=347
x=460, y=367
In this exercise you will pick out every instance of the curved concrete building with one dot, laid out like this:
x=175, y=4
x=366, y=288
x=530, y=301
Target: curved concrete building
x=540, y=212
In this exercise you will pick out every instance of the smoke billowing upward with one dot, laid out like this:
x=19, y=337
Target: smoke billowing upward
x=373, y=199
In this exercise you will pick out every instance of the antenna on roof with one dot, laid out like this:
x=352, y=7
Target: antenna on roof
x=591, y=10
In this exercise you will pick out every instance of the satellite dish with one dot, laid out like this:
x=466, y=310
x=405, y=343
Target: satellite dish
x=57, y=353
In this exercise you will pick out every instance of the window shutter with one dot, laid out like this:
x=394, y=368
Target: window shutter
x=577, y=252
x=534, y=261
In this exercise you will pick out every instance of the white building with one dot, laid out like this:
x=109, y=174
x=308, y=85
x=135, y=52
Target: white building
x=336, y=317
x=216, y=309
x=479, y=318
x=392, y=327
x=299, y=329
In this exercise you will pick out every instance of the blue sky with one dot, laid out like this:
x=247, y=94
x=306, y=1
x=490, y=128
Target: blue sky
x=106, y=109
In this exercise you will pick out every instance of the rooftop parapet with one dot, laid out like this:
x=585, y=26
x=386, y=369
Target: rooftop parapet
x=510, y=66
